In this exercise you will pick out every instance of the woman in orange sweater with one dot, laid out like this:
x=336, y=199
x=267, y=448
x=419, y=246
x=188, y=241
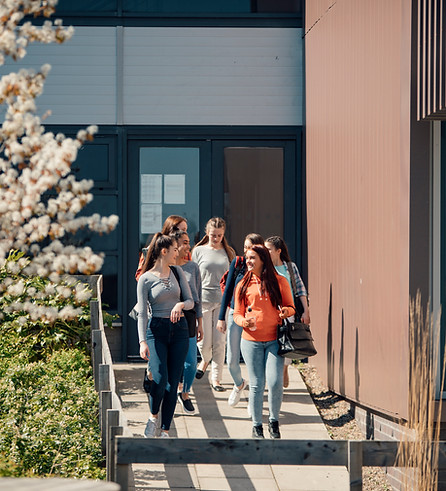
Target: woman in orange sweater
x=262, y=299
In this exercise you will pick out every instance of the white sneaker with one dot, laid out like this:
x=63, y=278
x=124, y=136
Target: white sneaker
x=236, y=394
x=163, y=434
x=151, y=427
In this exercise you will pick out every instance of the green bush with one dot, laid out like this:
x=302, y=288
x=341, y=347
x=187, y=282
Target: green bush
x=48, y=417
x=49, y=408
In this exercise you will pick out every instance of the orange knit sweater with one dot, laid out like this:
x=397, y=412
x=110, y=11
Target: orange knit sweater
x=267, y=316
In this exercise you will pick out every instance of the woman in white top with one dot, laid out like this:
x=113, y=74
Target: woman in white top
x=213, y=256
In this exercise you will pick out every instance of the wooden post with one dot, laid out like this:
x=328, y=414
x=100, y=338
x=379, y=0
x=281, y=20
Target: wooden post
x=355, y=465
x=122, y=475
x=112, y=421
x=105, y=403
x=94, y=314
x=104, y=377
x=96, y=351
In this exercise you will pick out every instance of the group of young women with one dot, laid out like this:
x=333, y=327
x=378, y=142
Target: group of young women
x=181, y=306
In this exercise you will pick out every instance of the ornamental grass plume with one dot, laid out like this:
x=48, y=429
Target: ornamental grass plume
x=419, y=448
x=39, y=197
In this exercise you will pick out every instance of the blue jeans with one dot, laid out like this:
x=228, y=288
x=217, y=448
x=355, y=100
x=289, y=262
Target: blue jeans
x=168, y=344
x=190, y=365
x=233, y=348
x=264, y=364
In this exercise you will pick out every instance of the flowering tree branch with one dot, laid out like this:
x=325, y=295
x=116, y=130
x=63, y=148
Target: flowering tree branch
x=39, y=197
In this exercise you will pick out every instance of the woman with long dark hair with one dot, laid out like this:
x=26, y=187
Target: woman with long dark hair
x=166, y=338
x=262, y=299
x=192, y=273
x=285, y=267
x=213, y=256
x=237, y=270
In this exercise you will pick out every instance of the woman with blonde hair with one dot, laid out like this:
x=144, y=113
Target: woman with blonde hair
x=213, y=256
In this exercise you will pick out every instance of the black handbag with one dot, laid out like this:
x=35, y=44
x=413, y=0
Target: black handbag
x=189, y=315
x=295, y=340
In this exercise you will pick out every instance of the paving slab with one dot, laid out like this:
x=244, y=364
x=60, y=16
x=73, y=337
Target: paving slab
x=214, y=418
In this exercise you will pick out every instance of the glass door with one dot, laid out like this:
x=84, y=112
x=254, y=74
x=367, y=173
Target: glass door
x=164, y=178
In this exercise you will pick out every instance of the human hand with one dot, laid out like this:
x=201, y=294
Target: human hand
x=250, y=322
x=199, y=330
x=176, y=312
x=221, y=326
x=144, y=352
x=305, y=317
x=284, y=312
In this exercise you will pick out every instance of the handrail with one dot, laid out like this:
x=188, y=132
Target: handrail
x=112, y=419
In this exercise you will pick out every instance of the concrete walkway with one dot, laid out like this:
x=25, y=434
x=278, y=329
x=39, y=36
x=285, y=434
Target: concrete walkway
x=299, y=419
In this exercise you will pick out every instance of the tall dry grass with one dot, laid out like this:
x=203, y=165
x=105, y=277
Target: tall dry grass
x=419, y=449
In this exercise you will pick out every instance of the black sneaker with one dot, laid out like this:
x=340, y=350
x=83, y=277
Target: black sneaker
x=274, y=429
x=188, y=407
x=257, y=432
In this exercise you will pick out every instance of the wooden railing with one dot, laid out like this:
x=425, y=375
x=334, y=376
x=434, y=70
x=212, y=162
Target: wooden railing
x=122, y=449
x=111, y=415
x=353, y=455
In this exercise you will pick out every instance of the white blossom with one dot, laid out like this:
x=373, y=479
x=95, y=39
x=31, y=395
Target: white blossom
x=35, y=163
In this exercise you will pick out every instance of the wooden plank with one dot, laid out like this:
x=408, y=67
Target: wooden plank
x=96, y=351
x=355, y=464
x=113, y=432
x=122, y=476
x=104, y=377
x=380, y=453
x=105, y=403
x=230, y=451
x=112, y=421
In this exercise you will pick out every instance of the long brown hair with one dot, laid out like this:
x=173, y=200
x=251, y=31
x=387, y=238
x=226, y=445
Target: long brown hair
x=171, y=224
x=279, y=243
x=255, y=239
x=159, y=242
x=268, y=277
x=217, y=222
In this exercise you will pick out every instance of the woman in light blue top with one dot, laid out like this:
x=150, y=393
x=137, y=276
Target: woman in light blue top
x=166, y=339
x=285, y=267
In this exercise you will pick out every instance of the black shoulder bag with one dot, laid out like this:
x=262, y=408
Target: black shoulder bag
x=295, y=340
x=190, y=315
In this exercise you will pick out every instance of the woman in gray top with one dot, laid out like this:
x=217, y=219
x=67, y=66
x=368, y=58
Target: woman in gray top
x=166, y=338
x=192, y=273
x=213, y=255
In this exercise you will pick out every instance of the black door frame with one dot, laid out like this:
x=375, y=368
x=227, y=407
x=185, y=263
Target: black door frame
x=210, y=141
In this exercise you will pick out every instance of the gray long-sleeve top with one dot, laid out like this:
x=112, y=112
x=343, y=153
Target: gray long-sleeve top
x=193, y=276
x=153, y=291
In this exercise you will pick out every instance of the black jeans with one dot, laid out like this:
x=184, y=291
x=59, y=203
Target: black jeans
x=168, y=345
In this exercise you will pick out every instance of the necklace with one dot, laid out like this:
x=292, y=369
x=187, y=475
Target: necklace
x=258, y=284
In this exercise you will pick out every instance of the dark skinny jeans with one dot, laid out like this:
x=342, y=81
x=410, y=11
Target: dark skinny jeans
x=168, y=345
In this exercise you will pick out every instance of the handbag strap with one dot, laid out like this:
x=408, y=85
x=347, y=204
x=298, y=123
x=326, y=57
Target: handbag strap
x=292, y=277
x=177, y=276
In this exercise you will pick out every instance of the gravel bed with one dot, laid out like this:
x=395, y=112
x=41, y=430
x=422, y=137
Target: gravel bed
x=335, y=413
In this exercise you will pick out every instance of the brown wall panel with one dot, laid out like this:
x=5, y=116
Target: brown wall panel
x=357, y=127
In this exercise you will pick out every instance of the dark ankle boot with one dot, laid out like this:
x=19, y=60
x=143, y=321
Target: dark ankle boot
x=274, y=429
x=257, y=432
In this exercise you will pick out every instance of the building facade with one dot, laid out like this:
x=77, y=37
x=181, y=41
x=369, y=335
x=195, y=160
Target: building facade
x=375, y=184
x=200, y=108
